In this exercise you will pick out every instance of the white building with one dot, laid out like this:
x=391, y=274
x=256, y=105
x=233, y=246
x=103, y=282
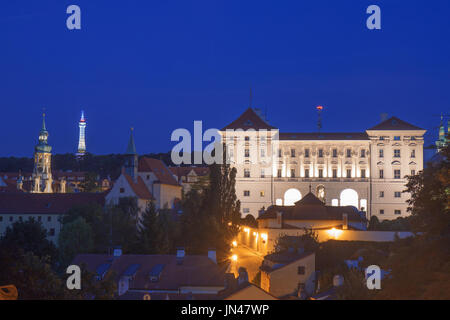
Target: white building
x=363, y=169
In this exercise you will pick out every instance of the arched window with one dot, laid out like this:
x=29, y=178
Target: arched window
x=349, y=197
x=291, y=196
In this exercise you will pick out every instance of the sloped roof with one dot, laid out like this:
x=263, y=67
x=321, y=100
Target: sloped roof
x=311, y=208
x=184, y=171
x=324, y=136
x=395, y=123
x=159, y=169
x=139, y=187
x=249, y=120
x=46, y=203
x=196, y=270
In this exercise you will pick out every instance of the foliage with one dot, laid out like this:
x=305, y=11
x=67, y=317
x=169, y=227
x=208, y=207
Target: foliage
x=399, y=224
x=75, y=237
x=308, y=241
x=249, y=221
x=29, y=236
x=90, y=182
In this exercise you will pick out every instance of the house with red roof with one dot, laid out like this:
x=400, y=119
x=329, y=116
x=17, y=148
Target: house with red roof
x=147, y=180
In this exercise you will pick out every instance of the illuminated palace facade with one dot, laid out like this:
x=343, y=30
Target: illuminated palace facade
x=364, y=169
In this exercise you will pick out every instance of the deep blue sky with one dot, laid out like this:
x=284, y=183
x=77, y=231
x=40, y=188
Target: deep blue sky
x=159, y=65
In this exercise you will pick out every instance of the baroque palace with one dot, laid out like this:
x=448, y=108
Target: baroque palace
x=367, y=170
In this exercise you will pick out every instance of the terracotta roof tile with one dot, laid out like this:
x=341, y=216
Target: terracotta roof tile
x=159, y=169
x=139, y=188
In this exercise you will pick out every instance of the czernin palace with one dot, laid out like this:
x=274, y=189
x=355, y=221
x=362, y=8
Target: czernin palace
x=367, y=170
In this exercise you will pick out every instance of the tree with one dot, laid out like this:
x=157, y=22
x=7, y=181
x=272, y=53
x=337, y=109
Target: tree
x=29, y=236
x=308, y=241
x=89, y=183
x=75, y=237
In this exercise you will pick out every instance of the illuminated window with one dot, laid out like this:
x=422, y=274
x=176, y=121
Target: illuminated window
x=262, y=193
x=349, y=197
x=291, y=196
x=335, y=202
x=279, y=202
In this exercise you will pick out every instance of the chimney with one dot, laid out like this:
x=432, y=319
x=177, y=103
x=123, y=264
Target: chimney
x=344, y=221
x=180, y=255
x=243, y=276
x=212, y=255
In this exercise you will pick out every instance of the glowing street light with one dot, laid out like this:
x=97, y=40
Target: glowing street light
x=234, y=243
x=234, y=257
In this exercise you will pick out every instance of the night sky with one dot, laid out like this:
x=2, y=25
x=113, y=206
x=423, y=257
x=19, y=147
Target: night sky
x=160, y=65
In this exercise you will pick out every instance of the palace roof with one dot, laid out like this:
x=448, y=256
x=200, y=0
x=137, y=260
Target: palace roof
x=249, y=120
x=395, y=123
x=324, y=136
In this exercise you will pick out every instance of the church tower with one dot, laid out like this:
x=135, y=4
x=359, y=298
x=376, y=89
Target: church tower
x=131, y=158
x=82, y=137
x=42, y=172
x=442, y=141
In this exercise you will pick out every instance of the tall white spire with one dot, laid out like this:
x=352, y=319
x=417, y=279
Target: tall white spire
x=82, y=137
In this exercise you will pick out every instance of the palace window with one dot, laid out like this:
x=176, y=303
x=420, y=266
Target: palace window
x=396, y=138
x=413, y=153
x=246, y=193
x=397, y=194
x=348, y=153
x=247, y=153
x=246, y=173
x=262, y=193
x=263, y=153
x=306, y=153
x=413, y=172
x=381, y=211
x=292, y=173
x=246, y=210
x=320, y=153
x=306, y=173
x=349, y=173
x=320, y=173
x=293, y=153
x=279, y=153
x=363, y=173
x=334, y=173
x=396, y=153
x=334, y=153
x=381, y=194
x=279, y=173
x=397, y=211
x=381, y=174
x=247, y=138
x=396, y=174
x=263, y=173
x=381, y=153
x=363, y=153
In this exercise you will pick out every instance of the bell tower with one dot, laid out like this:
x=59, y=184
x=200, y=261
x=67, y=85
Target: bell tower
x=42, y=171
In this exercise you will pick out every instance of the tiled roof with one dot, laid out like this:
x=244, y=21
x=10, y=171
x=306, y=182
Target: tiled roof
x=139, y=187
x=46, y=203
x=324, y=136
x=311, y=209
x=249, y=120
x=159, y=169
x=196, y=270
x=395, y=123
x=281, y=259
x=184, y=171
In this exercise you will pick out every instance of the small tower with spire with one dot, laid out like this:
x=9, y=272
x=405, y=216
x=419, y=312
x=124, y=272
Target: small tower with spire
x=442, y=140
x=42, y=171
x=82, y=137
x=131, y=158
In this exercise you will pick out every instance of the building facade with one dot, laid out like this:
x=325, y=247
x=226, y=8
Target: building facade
x=364, y=169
